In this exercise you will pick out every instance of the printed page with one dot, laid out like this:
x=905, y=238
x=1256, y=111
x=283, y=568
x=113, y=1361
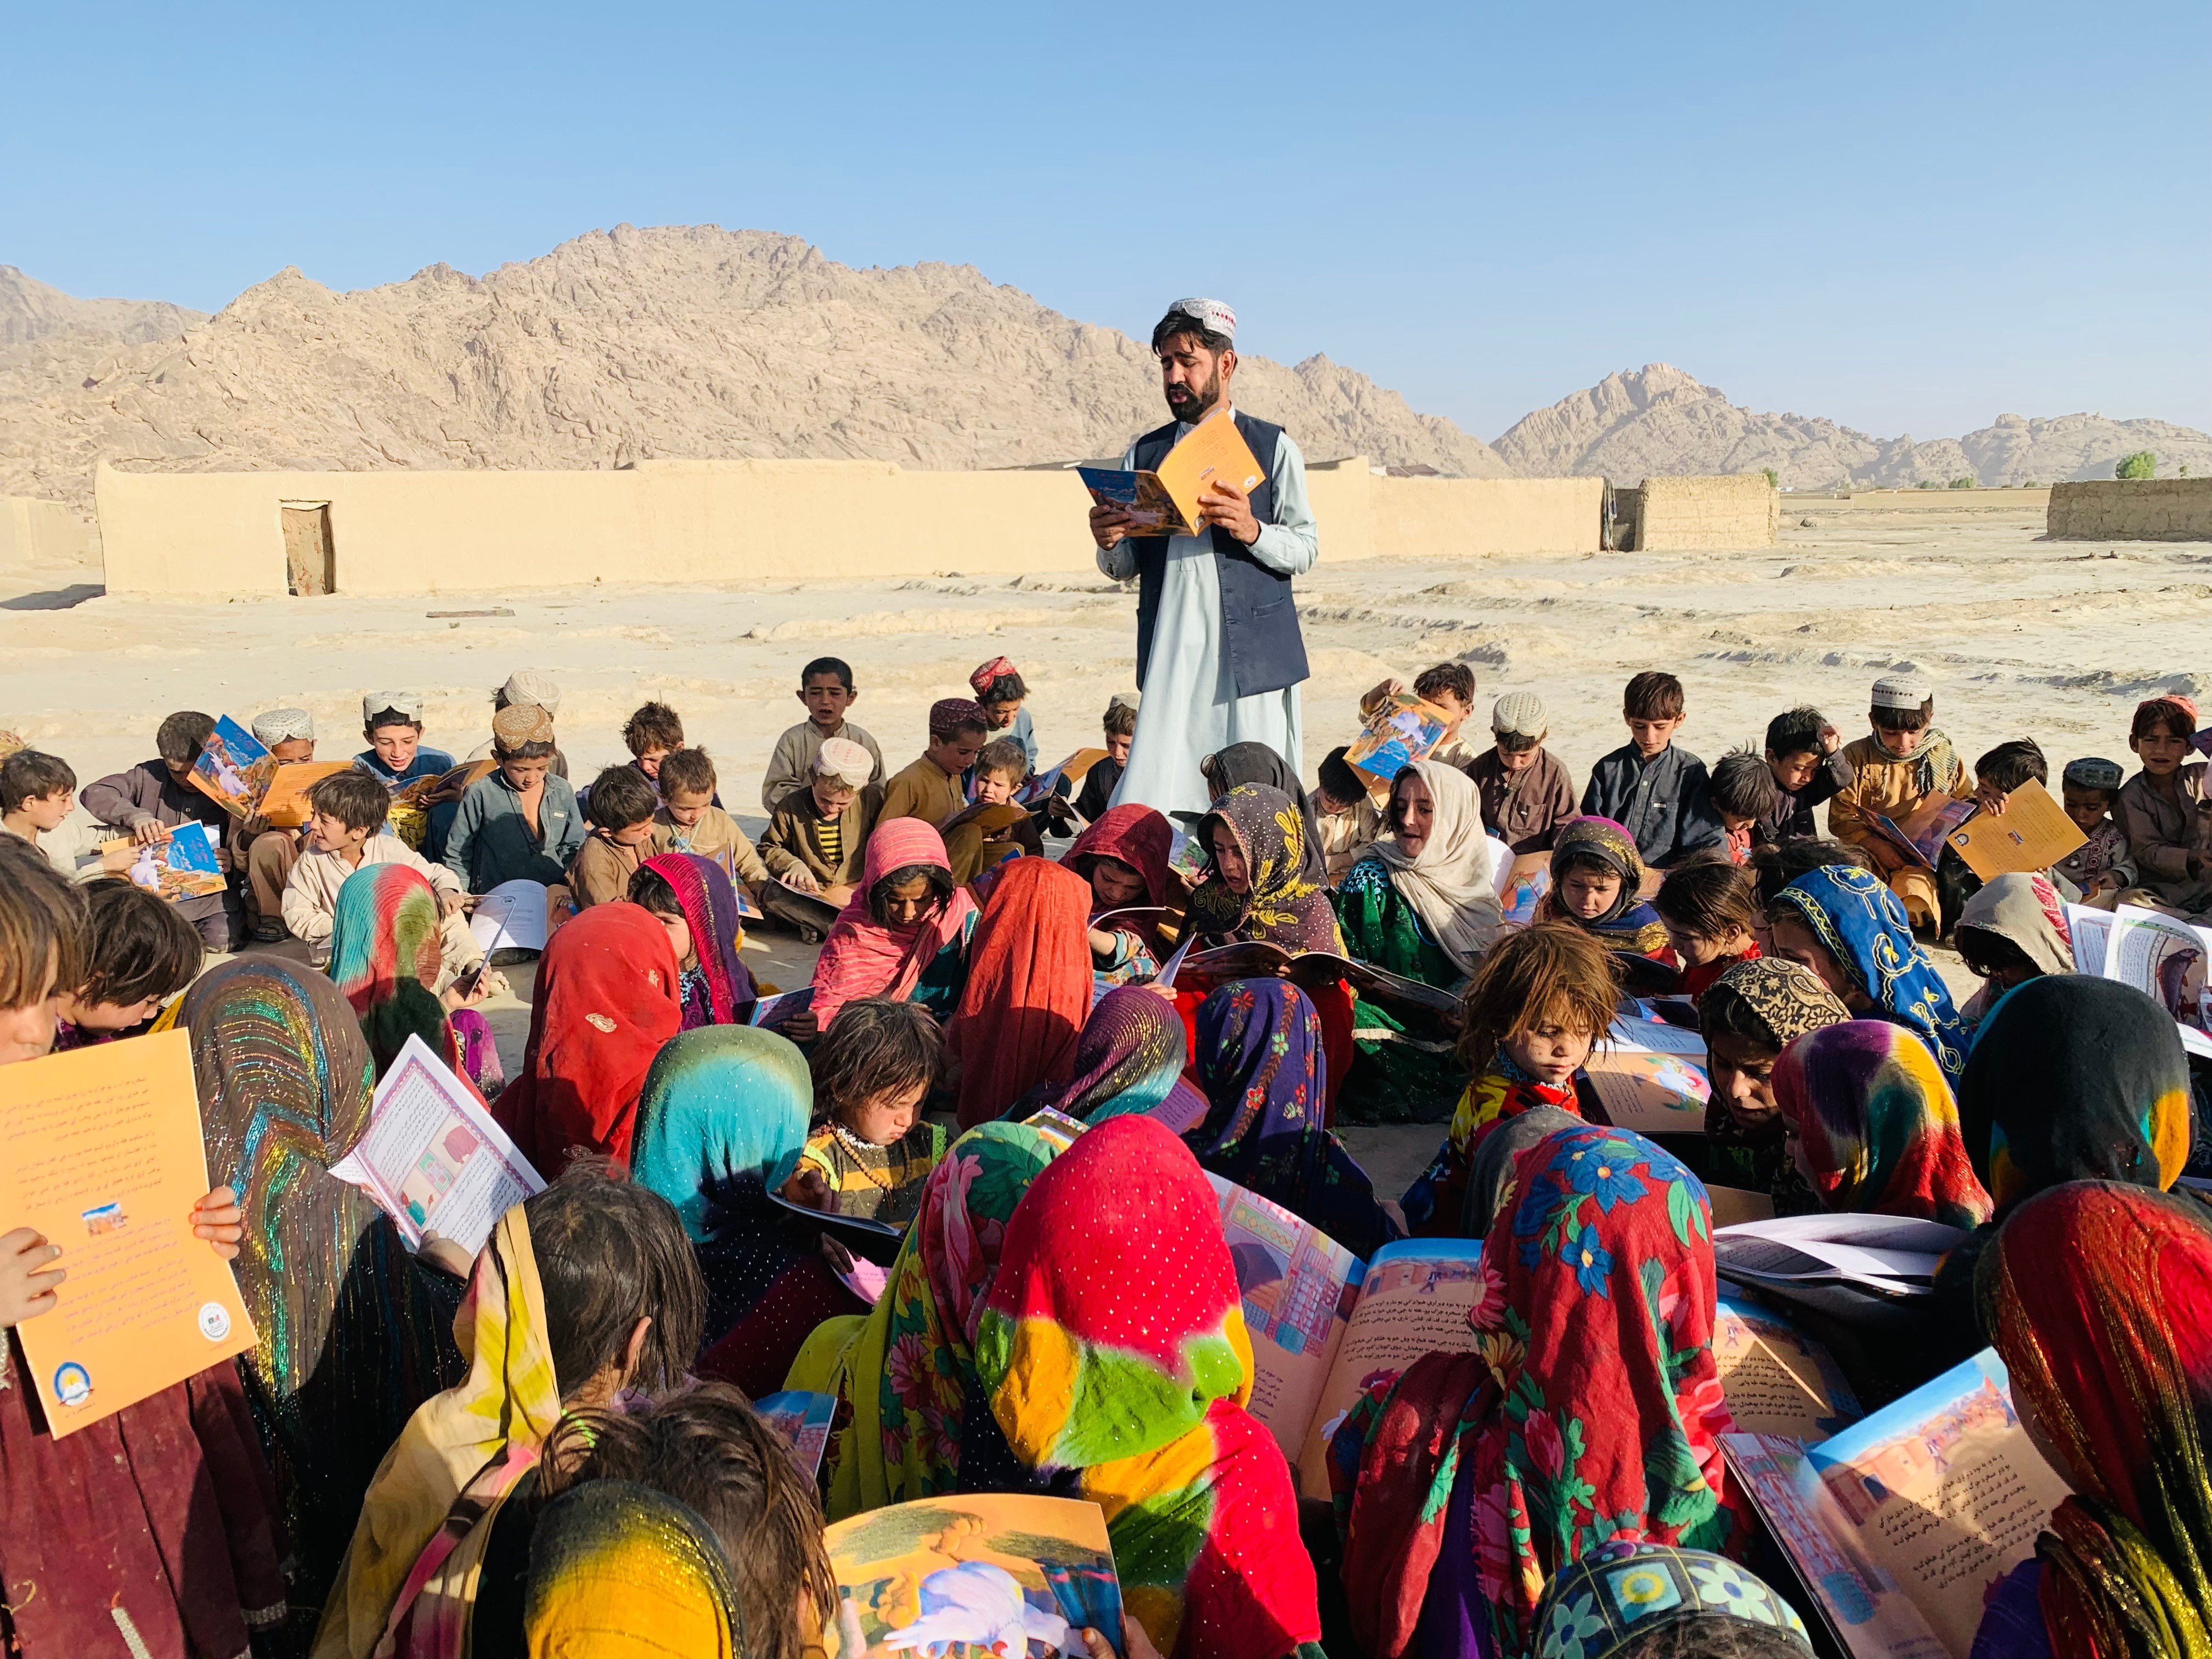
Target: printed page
x=803, y=1420
x=2032, y=833
x=512, y=917
x=1414, y=1300
x=1946, y=1491
x=1634, y=1035
x=1402, y=731
x=1894, y=1255
x=433, y=1159
x=1152, y=511
x=105, y=1159
x=1526, y=880
x=1776, y=1379
x=1211, y=453
x=2091, y=930
x=2165, y=959
x=1298, y=1286
x=233, y=769
x=975, y=1576
x=1650, y=1092
x=1864, y=1608
x=285, y=805
x=1733, y=1206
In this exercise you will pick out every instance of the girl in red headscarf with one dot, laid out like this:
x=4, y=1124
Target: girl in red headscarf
x=1028, y=991
x=1124, y=857
x=608, y=996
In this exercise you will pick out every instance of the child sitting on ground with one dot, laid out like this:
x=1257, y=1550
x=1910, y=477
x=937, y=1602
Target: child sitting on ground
x=1895, y=768
x=1996, y=774
x=346, y=813
x=929, y=789
x=392, y=721
x=825, y=686
x=139, y=953
x=716, y=988
x=1746, y=1018
x=651, y=734
x=1806, y=755
x=288, y=735
x=1120, y=730
x=1349, y=819
x=37, y=791
x=620, y=807
x=1000, y=693
x=1709, y=910
x=522, y=823
x=1655, y=791
x=995, y=828
x=2100, y=868
x=871, y=1150
x=1525, y=793
x=2163, y=809
x=1744, y=797
x=689, y=822
x=152, y=798
x=1449, y=686
x=1596, y=880
x=817, y=835
x=1538, y=1004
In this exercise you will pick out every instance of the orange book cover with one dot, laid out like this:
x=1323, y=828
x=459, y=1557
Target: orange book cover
x=1212, y=450
x=285, y=806
x=105, y=1159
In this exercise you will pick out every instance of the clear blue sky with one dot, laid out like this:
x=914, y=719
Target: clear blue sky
x=1905, y=218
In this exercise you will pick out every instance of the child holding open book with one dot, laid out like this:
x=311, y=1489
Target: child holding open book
x=1902, y=760
x=155, y=796
x=1538, y=1005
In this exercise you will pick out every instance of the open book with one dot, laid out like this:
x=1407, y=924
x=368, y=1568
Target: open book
x=1059, y=779
x=2032, y=833
x=237, y=773
x=513, y=917
x=433, y=1159
x=987, y=1576
x=452, y=781
x=1521, y=881
x=1902, y=1523
x=1890, y=1255
x=1164, y=502
x=1776, y=1379
x=1921, y=836
x=180, y=868
x=2161, y=956
x=1403, y=730
x=1650, y=1076
x=803, y=1420
x=1310, y=970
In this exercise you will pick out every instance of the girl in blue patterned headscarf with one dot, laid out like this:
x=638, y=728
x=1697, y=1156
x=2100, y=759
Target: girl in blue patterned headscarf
x=1849, y=916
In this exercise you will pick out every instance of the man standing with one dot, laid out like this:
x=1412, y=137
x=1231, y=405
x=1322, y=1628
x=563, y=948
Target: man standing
x=1220, y=657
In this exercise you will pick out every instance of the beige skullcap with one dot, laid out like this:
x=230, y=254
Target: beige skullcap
x=1906, y=691
x=531, y=685
x=1130, y=700
x=283, y=725
x=845, y=761
x=399, y=703
x=519, y=723
x=1520, y=714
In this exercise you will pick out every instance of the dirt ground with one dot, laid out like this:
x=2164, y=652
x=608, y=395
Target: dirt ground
x=2055, y=641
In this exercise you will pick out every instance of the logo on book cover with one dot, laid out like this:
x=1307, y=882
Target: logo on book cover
x=72, y=1384
x=214, y=1320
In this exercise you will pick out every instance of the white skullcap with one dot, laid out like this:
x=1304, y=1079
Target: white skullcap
x=283, y=724
x=1520, y=714
x=1218, y=317
x=1129, y=699
x=1902, y=691
x=846, y=761
x=533, y=685
x=399, y=703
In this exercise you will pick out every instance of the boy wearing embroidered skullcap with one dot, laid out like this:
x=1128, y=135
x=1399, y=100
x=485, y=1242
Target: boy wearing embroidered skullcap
x=1902, y=760
x=819, y=834
x=1525, y=793
x=534, y=687
x=929, y=789
x=2100, y=866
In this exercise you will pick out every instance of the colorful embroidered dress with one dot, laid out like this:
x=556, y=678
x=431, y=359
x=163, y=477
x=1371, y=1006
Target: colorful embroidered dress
x=386, y=957
x=1095, y=1361
x=1437, y=1199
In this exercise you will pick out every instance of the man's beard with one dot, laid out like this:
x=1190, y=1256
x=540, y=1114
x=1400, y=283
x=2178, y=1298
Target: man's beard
x=1186, y=405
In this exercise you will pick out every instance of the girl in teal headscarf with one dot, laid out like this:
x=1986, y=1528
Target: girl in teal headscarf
x=720, y=1123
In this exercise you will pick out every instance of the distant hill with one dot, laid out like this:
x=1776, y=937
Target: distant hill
x=630, y=344
x=32, y=314
x=1658, y=421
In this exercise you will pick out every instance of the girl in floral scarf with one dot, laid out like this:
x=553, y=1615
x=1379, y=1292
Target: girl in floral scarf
x=1591, y=1414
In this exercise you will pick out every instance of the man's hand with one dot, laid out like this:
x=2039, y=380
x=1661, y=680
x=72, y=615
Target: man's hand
x=1108, y=523
x=26, y=1282
x=218, y=1219
x=1223, y=504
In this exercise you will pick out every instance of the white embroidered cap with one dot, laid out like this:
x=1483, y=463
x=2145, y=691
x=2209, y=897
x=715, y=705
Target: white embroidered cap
x=1901, y=691
x=284, y=725
x=1218, y=317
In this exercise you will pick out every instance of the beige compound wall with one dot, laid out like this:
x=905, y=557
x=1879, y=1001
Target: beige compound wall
x=35, y=533
x=2132, y=509
x=1709, y=511
x=710, y=521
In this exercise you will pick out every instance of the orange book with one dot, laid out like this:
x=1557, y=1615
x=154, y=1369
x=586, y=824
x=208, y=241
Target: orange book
x=105, y=1159
x=1165, y=502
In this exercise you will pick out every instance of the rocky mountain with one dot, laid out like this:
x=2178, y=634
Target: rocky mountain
x=638, y=344
x=32, y=315
x=1659, y=421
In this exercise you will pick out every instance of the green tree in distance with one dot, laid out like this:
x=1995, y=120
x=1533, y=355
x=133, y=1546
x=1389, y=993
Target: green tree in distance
x=2143, y=464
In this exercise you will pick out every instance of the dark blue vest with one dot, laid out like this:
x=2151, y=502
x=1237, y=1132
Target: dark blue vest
x=1259, y=621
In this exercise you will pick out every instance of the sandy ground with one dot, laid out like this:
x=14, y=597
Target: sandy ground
x=2055, y=641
